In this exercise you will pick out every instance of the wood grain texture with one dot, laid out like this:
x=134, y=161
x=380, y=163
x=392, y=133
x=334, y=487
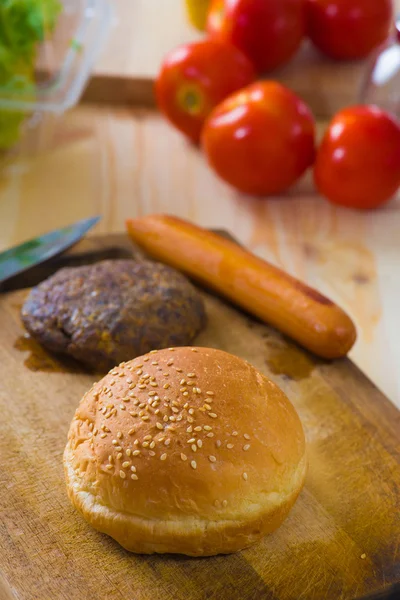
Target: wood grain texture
x=145, y=30
x=340, y=541
x=122, y=163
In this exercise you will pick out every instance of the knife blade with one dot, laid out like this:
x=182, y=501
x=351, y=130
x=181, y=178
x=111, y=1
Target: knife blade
x=40, y=249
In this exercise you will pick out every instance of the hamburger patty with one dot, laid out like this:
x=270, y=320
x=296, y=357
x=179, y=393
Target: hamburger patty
x=113, y=311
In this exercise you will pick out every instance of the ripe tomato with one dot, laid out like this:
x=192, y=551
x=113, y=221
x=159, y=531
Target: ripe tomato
x=358, y=162
x=269, y=32
x=195, y=77
x=348, y=29
x=261, y=139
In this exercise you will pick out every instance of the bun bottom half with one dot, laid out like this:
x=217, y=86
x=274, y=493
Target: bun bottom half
x=189, y=536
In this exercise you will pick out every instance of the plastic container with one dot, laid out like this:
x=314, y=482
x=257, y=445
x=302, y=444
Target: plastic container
x=64, y=62
x=381, y=85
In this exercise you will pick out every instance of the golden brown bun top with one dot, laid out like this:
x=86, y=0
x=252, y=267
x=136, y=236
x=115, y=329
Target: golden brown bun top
x=200, y=431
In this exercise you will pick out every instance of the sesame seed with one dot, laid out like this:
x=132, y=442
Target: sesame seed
x=191, y=441
x=172, y=418
x=174, y=403
x=135, y=443
x=178, y=370
x=174, y=409
x=179, y=418
x=161, y=439
x=134, y=476
x=191, y=375
x=185, y=405
x=210, y=393
x=141, y=386
x=166, y=374
x=224, y=503
x=199, y=443
x=183, y=389
x=245, y=476
x=246, y=436
x=212, y=458
x=234, y=433
x=229, y=446
x=126, y=399
x=167, y=442
x=126, y=464
x=152, y=444
x=191, y=411
x=183, y=456
x=189, y=429
x=119, y=435
x=190, y=420
x=182, y=382
x=159, y=426
x=147, y=438
x=170, y=362
x=198, y=428
x=133, y=469
x=209, y=435
x=153, y=352
x=212, y=415
x=155, y=363
x=157, y=411
x=153, y=383
x=193, y=464
x=194, y=350
x=122, y=474
x=109, y=467
x=152, y=453
x=131, y=394
x=194, y=447
x=246, y=447
x=146, y=359
x=185, y=394
x=165, y=419
x=207, y=427
x=142, y=405
x=218, y=443
x=145, y=444
x=131, y=431
x=190, y=383
x=166, y=386
x=114, y=442
x=103, y=435
x=151, y=394
x=163, y=456
x=133, y=413
x=139, y=372
x=128, y=452
x=136, y=453
x=145, y=418
x=207, y=407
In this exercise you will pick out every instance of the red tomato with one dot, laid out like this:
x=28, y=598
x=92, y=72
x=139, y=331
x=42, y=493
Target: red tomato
x=269, y=32
x=261, y=139
x=194, y=78
x=358, y=162
x=348, y=29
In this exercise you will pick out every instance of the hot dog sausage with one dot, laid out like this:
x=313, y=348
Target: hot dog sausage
x=265, y=291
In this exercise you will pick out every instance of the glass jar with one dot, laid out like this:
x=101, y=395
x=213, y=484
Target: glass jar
x=381, y=84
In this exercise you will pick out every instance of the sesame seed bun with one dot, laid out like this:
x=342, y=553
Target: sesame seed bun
x=185, y=450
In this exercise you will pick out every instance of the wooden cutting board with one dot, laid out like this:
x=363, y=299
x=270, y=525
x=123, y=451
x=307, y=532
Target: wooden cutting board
x=341, y=540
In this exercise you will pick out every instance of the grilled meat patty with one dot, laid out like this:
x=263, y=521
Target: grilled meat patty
x=113, y=311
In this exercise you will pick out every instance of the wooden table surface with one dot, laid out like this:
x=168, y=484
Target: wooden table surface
x=120, y=162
